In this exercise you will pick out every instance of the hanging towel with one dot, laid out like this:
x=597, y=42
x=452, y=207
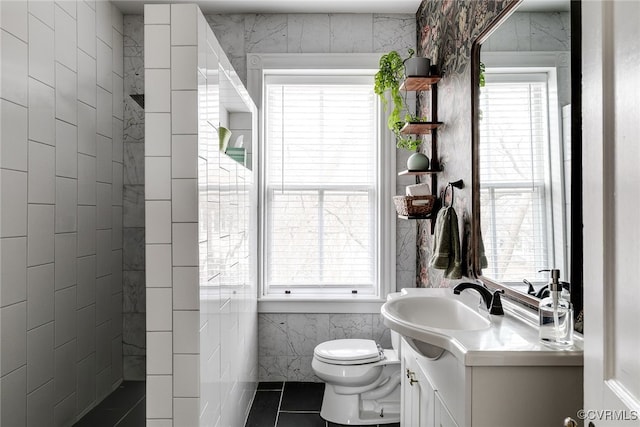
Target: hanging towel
x=481, y=254
x=446, y=244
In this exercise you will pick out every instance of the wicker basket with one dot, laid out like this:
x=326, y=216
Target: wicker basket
x=414, y=205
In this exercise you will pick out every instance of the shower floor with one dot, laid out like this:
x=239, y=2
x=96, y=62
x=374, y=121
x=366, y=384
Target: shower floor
x=124, y=407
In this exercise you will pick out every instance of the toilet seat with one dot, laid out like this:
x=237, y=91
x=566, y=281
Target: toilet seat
x=348, y=352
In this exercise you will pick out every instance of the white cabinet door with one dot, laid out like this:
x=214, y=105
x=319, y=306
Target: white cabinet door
x=611, y=181
x=442, y=416
x=417, y=397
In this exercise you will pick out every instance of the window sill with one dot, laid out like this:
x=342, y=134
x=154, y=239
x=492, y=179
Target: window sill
x=319, y=304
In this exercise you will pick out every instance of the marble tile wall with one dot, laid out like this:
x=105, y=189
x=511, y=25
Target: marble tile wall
x=320, y=33
x=286, y=340
x=133, y=274
x=61, y=159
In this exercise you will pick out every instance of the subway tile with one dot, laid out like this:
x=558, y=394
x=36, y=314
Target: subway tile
x=117, y=19
x=13, y=270
x=158, y=221
x=66, y=149
x=69, y=6
x=65, y=253
x=103, y=21
x=158, y=265
x=184, y=24
x=86, y=180
x=185, y=244
x=42, y=115
x=104, y=157
x=116, y=272
x=86, y=230
x=86, y=129
x=184, y=61
x=64, y=411
x=186, y=332
x=64, y=382
x=118, y=53
x=40, y=406
x=186, y=411
x=40, y=295
x=86, y=288
x=186, y=289
x=157, y=134
x=116, y=359
x=117, y=138
x=159, y=309
x=13, y=18
x=157, y=171
x=39, y=356
x=43, y=11
x=104, y=112
x=86, y=28
x=13, y=198
x=103, y=351
x=65, y=316
x=184, y=112
x=42, y=166
x=117, y=171
x=186, y=375
x=66, y=205
x=157, y=46
x=66, y=94
x=14, y=67
x=13, y=338
x=13, y=394
x=118, y=96
x=159, y=353
x=40, y=243
x=159, y=396
x=13, y=131
x=65, y=38
x=157, y=91
x=86, y=384
x=184, y=159
x=86, y=342
x=103, y=299
x=103, y=252
x=41, y=51
x=87, y=78
x=103, y=206
x=104, y=66
x=185, y=200
x=157, y=14
x=103, y=379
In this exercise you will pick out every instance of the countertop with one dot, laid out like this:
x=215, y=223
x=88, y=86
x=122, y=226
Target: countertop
x=511, y=340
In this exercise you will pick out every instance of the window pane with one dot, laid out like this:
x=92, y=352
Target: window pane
x=320, y=178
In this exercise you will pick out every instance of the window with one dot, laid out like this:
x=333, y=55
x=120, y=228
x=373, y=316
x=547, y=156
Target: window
x=323, y=188
x=516, y=201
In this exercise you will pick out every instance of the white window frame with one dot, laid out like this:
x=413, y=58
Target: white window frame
x=260, y=65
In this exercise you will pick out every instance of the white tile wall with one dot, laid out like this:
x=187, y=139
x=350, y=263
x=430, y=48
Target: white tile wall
x=184, y=314
x=56, y=192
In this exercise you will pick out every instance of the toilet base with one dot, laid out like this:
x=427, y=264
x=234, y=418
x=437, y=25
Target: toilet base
x=352, y=409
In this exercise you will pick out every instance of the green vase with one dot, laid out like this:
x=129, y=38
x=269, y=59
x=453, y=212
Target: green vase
x=418, y=162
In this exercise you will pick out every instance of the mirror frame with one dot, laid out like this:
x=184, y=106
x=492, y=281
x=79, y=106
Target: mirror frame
x=576, y=159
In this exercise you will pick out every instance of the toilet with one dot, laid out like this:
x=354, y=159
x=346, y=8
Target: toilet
x=362, y=381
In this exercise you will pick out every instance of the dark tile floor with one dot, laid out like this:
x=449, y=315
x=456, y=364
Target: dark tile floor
x=290, y=404
x=124, y=407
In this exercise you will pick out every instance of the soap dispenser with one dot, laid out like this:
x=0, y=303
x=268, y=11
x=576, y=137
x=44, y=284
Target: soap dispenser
x=556, y=314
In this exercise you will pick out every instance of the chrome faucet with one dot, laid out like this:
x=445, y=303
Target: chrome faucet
x=492, y=300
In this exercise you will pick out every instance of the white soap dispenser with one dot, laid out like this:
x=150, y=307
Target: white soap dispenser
x=556, y=315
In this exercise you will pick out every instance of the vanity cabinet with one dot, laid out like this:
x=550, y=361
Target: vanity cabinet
x=447, y=393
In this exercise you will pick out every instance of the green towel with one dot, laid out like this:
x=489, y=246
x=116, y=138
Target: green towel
x=446, y=244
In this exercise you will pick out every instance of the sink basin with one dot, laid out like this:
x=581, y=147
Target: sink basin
x=430, y=322
x=430, y=312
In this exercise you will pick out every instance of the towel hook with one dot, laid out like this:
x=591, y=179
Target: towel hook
x=451, y=185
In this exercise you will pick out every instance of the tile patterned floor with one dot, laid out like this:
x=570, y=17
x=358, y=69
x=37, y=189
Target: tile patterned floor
x=290, y=404
x=124, y=407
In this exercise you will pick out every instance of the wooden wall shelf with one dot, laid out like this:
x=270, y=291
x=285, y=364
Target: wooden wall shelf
x=419, y=128
x=418, y=173
x=419, y=83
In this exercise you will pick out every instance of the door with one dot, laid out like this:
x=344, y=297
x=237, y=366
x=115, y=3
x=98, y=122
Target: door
x=611, y=201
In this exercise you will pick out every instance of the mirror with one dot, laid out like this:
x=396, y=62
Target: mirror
x=523, y=149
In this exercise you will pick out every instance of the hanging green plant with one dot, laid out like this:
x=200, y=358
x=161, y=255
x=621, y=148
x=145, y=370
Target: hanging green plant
x=389, y=78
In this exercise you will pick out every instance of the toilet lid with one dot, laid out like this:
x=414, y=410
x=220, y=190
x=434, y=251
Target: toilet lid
x=348, y=351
